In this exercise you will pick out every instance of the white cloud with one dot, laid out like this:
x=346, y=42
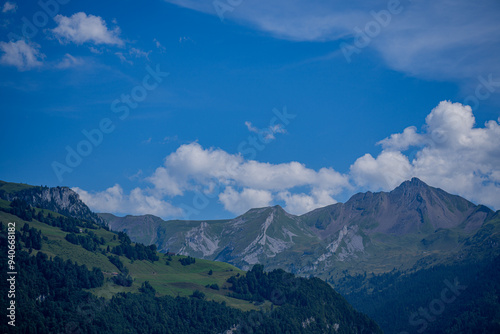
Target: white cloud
x=402, y=141
x=9, y=7
x=240, y=202
x=301, y=203
x=137, y=203
x=192, y=166
x=385, y=172
x=239, y=184
x=452, y=154
x=20, y=54
x=81, y=28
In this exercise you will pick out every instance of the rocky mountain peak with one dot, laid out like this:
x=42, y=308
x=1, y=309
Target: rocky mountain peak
x=62, y=200
x=411, y=188
x=414, y=182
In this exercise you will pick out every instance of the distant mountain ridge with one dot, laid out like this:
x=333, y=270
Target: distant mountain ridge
x=409, y=208
x=373, y=232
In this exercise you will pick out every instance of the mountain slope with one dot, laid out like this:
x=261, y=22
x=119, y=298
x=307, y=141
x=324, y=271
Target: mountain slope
x=398, y=299
x=413, y=207
x=371, y=232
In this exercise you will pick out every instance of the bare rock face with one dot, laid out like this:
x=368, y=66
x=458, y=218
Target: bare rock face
x=62, y=200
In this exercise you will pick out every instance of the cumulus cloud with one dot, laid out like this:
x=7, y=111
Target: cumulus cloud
x=20, y=54
x=192, y=165
x=193, y=168
x=240, y=202
x=385, y=172
x=452, y=153
x=301, y=203
x=402, y=141
x=9, y=7
x=81, y=28
x=238, y=184
x=136, y=203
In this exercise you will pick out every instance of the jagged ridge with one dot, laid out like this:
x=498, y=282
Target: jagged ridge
x=62, y=200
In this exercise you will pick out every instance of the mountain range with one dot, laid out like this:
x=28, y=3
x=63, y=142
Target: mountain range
x=372, y=232
x=415, y=259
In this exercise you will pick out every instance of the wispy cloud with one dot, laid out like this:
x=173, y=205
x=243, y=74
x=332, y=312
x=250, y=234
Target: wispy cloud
x=123, y=59
x=268, y=133
x=431, y=39
x=443, y=39
x=69, y=61
x=184, y=39
x=139, y=53
x=159, y=46
x=132, y=53
x=9, y=7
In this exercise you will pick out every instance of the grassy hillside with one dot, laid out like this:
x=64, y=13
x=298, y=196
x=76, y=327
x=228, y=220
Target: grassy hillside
x=172, y=280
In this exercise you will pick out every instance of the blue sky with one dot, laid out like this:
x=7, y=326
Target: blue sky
x=204, y=109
